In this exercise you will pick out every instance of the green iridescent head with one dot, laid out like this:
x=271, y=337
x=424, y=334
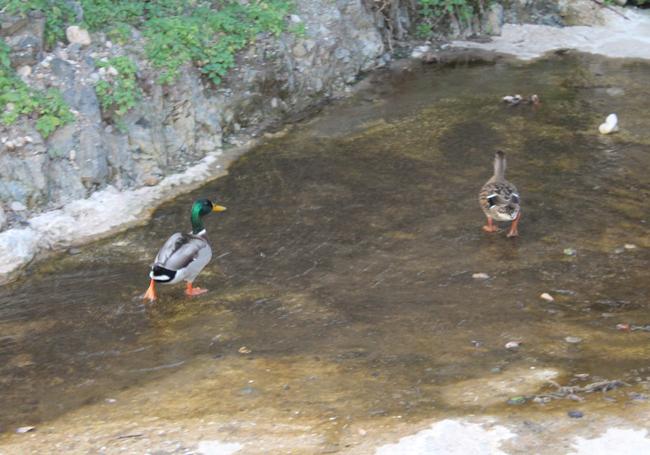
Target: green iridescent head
x=200, y=208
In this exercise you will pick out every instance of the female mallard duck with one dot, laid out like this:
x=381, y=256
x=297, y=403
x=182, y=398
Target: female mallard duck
x=499, y=198
x=183, y=256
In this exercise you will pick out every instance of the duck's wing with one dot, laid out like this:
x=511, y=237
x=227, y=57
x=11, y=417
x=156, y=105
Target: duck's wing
x=497, y=194
x=180, y=250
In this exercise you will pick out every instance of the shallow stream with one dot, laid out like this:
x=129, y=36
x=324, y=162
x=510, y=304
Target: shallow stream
x=341, y=286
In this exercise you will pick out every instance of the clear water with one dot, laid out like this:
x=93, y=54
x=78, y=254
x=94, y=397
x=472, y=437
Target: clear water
x=345, y=261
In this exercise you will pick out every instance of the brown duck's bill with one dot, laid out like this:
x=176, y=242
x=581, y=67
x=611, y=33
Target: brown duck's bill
x=218, y=208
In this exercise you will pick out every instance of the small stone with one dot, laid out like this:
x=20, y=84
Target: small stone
x=22, y=430
x=17, y=206
x=295, y=19
x=78, y=35
x=572, y=340
x=575, y=414
x=619, y=250
x=24, y=71
x=581, y=376
x=480, y=276
x=629, y=246
x=111, y=71
x=3, y=218
x=362, y=432
x=623, y=326
x=517, y=400
x=109, y=44
x=111, y=400
x=548, y=297
x=513, y=344
x=570, y=252
x=244, y=350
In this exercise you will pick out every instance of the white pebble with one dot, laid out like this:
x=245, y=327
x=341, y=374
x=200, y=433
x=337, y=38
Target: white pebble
x=572, y=340
x=480, y=276
x=630, y=246
x=513, y=344
x=548, y=297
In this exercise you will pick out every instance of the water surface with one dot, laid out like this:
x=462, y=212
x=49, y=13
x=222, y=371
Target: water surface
x=341, y=284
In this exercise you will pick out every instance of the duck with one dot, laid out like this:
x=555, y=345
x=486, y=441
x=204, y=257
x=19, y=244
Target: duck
x=500, y=199
x=184, y=255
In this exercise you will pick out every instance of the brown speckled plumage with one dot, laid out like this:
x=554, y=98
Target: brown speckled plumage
x=499, y=198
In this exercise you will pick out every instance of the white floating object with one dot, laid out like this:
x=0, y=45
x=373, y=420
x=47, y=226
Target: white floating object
x=610, y=125
x=513, y=344
x=548, y=297
x=22, y=430
x=512, y=99
x=480, y=276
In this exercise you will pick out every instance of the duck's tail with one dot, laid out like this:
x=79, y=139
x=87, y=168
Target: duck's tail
x=161, y=274
x=500, y=165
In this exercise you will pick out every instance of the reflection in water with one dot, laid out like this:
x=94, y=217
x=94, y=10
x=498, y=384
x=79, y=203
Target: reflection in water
x=344, y=265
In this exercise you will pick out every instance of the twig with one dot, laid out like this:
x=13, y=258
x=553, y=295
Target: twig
x=605, y=5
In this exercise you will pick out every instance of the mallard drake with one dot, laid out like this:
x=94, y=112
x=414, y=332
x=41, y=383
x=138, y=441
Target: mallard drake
x=183, y=256
x=499, y=198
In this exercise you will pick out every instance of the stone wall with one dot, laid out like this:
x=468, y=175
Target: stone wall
x=173, y=126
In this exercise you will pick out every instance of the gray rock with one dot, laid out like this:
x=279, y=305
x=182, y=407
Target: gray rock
x=493, y=19
x=17, y=206
x=24, y=35
x=3, y=218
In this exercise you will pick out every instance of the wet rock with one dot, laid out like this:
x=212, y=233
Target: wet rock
x=546, y=296
x=78, y=35
x=24, y=71
x=575, y=414
x=516, y=400
x=17, y=206
x=513, y=344
x=3, y=218
x=573, y=340
x=570, y=252
x=497, y=388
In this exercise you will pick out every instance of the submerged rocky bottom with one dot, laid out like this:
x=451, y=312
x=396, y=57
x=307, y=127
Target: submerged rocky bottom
x=344, y=311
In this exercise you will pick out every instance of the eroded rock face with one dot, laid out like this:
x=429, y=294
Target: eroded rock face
x=173, y=126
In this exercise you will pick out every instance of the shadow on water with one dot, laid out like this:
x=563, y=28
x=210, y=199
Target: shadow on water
x=349, y=247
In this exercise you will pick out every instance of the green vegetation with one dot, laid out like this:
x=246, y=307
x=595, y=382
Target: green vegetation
x=18, y=99
x=432, y=12
x=204, y=33
x=119, y=91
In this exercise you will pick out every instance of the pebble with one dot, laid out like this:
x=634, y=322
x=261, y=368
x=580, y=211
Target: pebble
x=570, y=252
x=623, y=326
x=480, y=276
x=25, y=429
x=573, y=340
x=546, y=296
x=362, y=432
x=17, y=206
x=629, y=246
x=78, y=35
x=513, y=344
x=517, y=400
x=244, y=350
x=575, y=414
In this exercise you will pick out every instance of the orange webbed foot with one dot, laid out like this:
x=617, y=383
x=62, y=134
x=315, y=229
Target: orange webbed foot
x=513, y=227
x=191, y=291
x=151, y=292
x=490, y=227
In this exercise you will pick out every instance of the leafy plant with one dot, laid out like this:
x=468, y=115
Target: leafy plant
x=118, y=91
x=432, y=12
x=18, y=99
